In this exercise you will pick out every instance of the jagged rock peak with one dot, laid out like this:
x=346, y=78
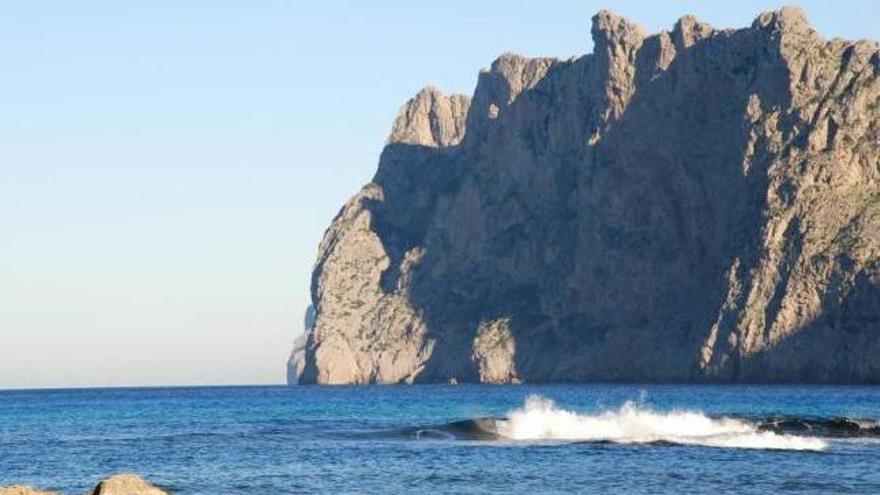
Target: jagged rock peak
x=689, y=30
x=499, y=86
x=431, y=119
x=613, y=31
x=520, y=73
x=786, y=19
x=616, y=43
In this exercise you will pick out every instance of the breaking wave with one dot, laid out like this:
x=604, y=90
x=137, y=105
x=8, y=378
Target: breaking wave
x=539, y=419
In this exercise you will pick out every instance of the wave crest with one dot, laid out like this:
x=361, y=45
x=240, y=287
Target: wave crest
x=541, y=419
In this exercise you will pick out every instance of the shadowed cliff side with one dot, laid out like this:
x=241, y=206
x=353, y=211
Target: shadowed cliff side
x=698, y=204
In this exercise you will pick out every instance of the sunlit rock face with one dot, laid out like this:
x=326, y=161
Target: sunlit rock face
x=699, y=204
x=120, y=484
x=23, y=490
x=126, y=484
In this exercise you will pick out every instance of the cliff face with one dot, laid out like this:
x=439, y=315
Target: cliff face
x=698, y=204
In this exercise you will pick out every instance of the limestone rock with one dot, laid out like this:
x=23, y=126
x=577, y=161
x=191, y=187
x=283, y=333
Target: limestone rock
x=431, y=119
x=22, y=490
x=698, y=204
x=365, y=329
x=126, y=484
x=494, y=350
x=617, y=42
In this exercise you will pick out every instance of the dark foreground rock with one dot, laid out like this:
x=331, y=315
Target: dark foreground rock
x=699, y=204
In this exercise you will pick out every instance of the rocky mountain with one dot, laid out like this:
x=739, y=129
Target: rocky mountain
x=695, y=205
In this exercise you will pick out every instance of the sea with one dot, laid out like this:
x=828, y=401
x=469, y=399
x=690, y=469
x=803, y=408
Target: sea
x=438, y=439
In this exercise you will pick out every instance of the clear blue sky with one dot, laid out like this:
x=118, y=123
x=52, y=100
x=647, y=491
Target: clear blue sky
x=167, y=168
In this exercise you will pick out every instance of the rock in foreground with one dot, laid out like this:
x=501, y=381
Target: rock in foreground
x=126, y=484
x=22, y=490
x=120, y=484
x=699, y=204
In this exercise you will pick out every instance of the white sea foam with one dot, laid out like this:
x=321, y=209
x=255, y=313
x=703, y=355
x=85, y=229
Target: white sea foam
x=541, y=419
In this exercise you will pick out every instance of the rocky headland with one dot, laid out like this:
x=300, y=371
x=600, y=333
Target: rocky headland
x=700, y=204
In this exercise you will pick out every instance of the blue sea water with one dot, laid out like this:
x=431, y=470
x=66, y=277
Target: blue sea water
x=416, y=439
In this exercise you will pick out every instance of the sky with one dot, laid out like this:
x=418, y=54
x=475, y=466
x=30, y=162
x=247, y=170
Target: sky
x=167, y=168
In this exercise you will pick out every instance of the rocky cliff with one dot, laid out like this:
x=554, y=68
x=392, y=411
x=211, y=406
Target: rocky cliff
x=699, y=204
